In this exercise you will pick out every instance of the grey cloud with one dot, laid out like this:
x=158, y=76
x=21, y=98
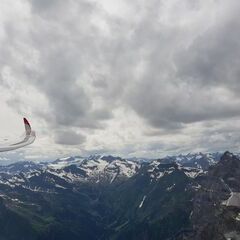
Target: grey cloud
x=100, y=83
x=212, y=59
x=69, y=137
x=88, y=63
x=44, y=4
x=182, y=85
x=67, y=50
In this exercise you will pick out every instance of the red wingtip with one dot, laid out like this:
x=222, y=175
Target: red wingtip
x=27, y=126
x=26, y=121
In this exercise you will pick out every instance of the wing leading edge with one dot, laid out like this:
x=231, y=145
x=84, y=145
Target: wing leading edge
x=28, y=139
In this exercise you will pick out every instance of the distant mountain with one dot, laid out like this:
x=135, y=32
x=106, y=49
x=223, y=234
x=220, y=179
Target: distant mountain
x=195, y=160
x=21, y=167
x=96, y=169
x=194, y=196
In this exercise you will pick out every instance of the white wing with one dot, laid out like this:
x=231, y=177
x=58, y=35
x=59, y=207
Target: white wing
x=28, y=139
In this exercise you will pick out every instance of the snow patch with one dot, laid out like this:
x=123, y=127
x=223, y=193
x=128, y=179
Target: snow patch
x=141, y=204
x=234, y=200
x=171, y=187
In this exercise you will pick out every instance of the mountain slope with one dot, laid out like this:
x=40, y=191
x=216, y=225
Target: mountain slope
x=105, y=197
x=216, y=206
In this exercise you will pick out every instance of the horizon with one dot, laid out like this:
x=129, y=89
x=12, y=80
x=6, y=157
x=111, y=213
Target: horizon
x=5, y=161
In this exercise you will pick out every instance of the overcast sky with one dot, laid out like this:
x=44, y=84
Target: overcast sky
x=132, y=78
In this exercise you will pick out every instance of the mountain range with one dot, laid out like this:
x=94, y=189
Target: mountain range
x=193, y=196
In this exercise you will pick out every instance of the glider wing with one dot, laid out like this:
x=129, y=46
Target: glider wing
x=28, y=139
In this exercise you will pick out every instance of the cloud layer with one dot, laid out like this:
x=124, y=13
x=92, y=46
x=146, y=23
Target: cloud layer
x=141, y=78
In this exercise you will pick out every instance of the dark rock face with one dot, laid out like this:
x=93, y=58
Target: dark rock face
x=213, y=215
